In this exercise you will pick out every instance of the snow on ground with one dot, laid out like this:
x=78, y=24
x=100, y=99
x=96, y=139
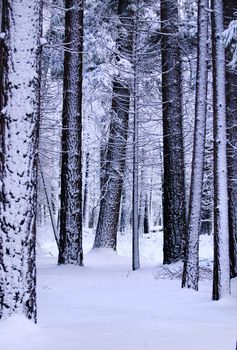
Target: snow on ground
x=106, y=306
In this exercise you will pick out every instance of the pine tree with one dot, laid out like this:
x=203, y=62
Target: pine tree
x=221, y=275
x=2, y=30
x=70, y=240
x=19, y=165
x=173, y=157
x=2, y=68
x=106, y=231
x=191, y=270
x=230, y=7
x=135, y=192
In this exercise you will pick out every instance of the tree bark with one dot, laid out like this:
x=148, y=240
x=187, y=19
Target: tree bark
x=85, y=195
x=106, y=231
x=174, y=224
x=135, y=192
x=70, y=241
x=18, y=174
x=221, y=274
x=230, y=7
x=191, y=263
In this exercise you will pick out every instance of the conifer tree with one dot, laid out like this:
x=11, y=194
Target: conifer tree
x=191, y=259
x=106, y=231
x=18, y=175
x=221, y=275
x=230, y=7
x=70, y=240
x=174, y=220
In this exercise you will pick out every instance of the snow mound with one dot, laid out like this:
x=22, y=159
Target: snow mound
x=19, y=330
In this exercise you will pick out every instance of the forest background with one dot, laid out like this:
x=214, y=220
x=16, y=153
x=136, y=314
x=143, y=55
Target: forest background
x=127, y=116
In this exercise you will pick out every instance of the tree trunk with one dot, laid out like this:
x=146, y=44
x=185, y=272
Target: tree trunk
x=173, y=186
x=106, y=231
x=85, y=196
x=207, y=187
x=19, y=166
x=191, y=263
x=146, y=216
x=70, y=242
x=221, y=275
x=230, y=7
x=2, y=67
x=135, y=192
x=125, y=214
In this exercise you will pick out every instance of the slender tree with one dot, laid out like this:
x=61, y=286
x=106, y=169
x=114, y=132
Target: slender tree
x=191, y=270
x=2, y=68
x=2, y=30
x=230, y=7
x=207, y=186
x=135, y=196
x=173, y=183
x=19, y=165
x=221, y=276
x=70, y=241
x=106, y=231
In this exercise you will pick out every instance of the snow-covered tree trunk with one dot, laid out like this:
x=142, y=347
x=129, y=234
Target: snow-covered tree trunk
x=230, y=7
x=106, y=231
x=2, y=30
x=135, y=193
x=174, y=220
x=85, y=194
x=142, y=193
x=125, y=212
x=70, y=241
x=191, y=269
x=19, y=166
x=207, y=185
x=221, y=276
x=2, y=68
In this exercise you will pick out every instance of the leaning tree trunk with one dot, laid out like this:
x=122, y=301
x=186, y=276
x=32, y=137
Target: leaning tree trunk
x=106, y=231
x=191, y=263
x=173, y=186
x=19, y=167
x=221, y=275
x=70, y=241
x=230, y=7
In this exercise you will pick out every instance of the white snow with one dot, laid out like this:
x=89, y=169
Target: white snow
x=106, y=306
x=2, y=36
x=43, y=41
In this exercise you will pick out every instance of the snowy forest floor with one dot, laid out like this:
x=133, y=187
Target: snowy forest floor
x=106, y=306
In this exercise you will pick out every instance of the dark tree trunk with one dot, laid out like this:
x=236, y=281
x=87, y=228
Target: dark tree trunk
x=230, y=8
x=173, y=187
x=91, y=220
x=106, y=232
x=146, y=216
x=70, y=242
x=18, y=173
